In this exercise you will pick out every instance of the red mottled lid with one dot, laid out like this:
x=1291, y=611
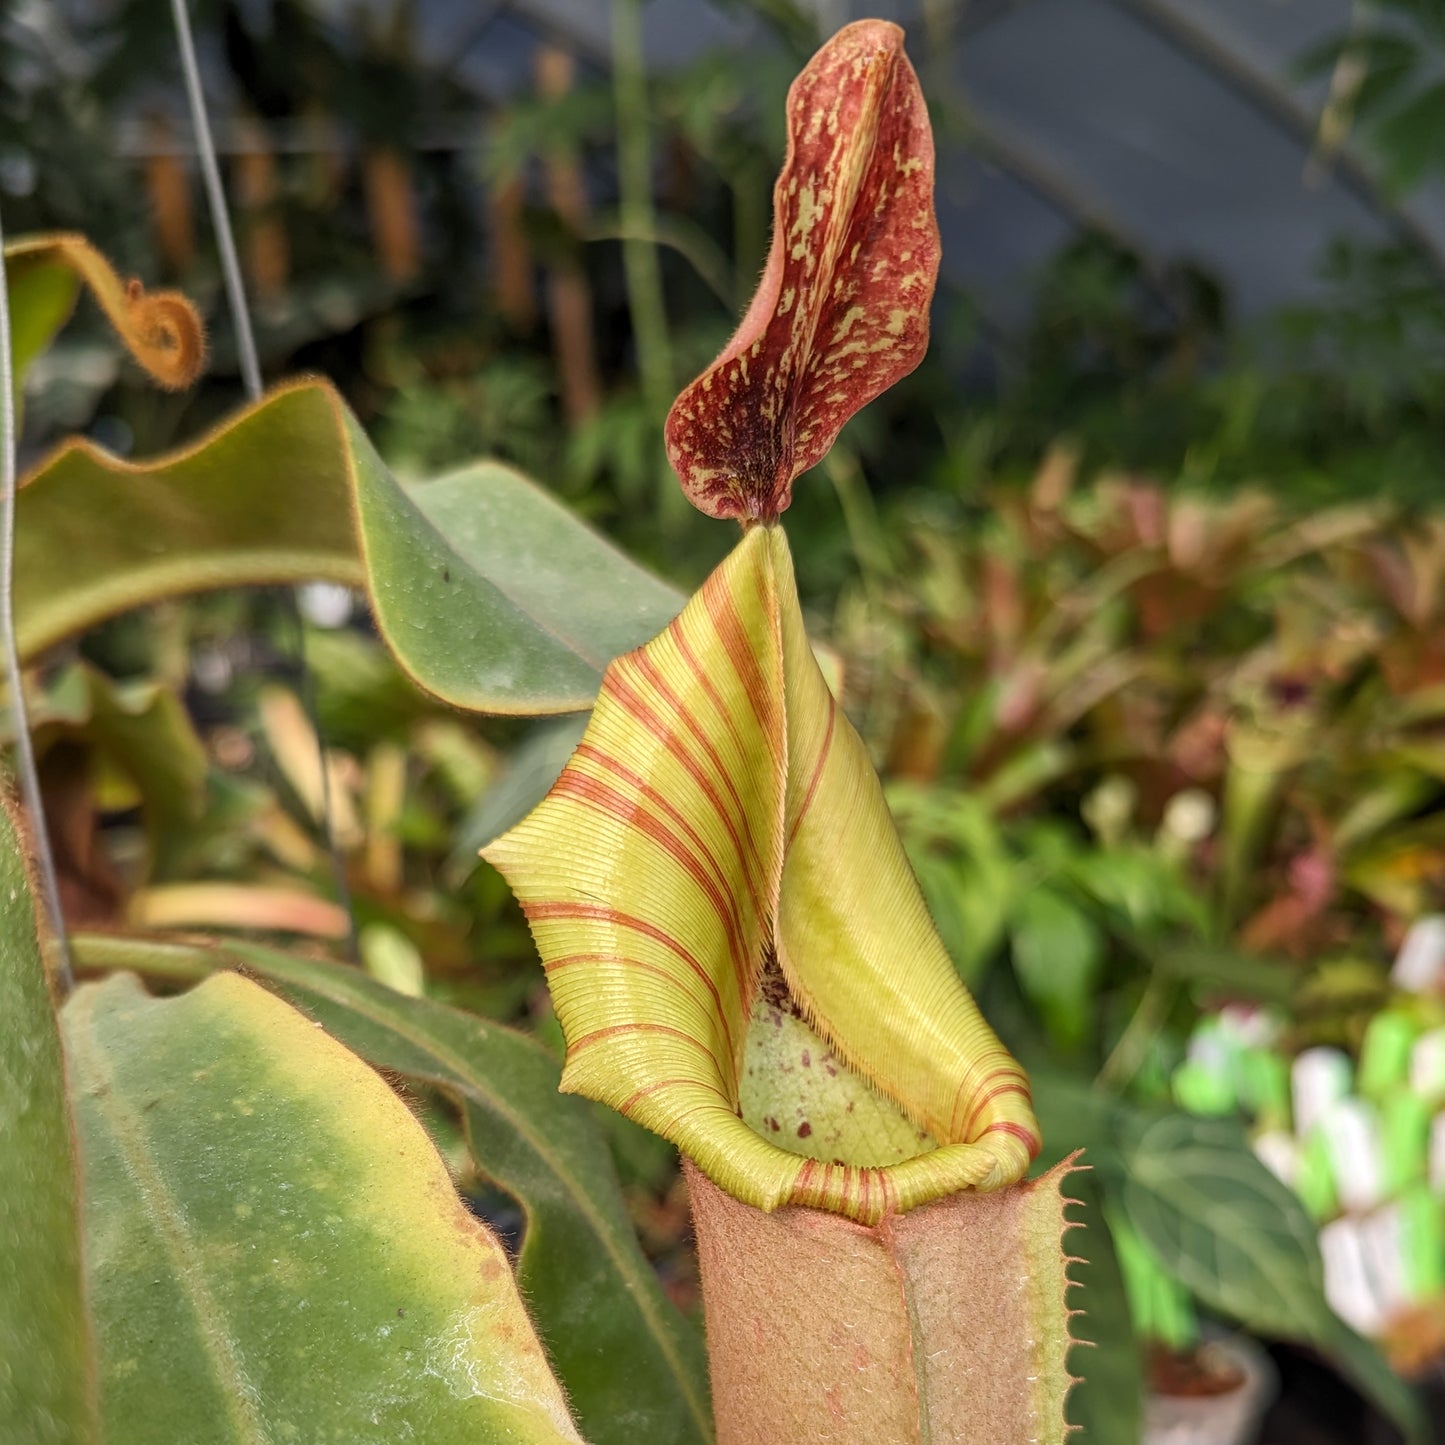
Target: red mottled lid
x=841, y=312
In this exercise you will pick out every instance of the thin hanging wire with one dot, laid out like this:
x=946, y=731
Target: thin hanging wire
x=24, y=749
x=251, y=379
x=216, y=199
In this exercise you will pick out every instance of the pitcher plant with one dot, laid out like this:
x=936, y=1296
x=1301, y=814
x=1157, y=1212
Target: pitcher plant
x=737, y=950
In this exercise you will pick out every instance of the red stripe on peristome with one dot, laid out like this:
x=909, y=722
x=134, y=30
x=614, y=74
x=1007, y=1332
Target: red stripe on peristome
x=635, y=780
x=890, y=1198
x=1016, y=1086
x=802, y=1184
x=679, y=638
x=1031, y=1141
x=621, y=692
x=817, y=772
x=631, y=1101
x=593, y=791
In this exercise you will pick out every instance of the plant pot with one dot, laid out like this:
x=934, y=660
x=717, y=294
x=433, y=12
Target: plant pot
x=1227, y=1417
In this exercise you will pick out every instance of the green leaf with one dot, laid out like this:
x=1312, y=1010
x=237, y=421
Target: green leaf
x=1058, y=951
x=274, y=1249
x=46, y=1378
x=530, y=773
x=632, y=1367
x=1142, y=891
x=1223, y=1225
x=42, y=293
x=1074, y=1116
x=963, y=865
x=1202, y=1194
x=141, y=728
x=490, y=593
x=1219, y=966
x=1389, y=59
x=1361, y=1361
x=1409, y=138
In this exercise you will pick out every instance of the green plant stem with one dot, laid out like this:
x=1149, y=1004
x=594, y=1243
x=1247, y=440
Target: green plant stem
x=1127, y=1055
x=860, y=516
x=24, y=748
x=685, y=237
x=638, y=220
x=176, y=962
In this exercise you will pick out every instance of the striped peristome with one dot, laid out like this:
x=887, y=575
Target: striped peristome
x=721, y=813
x=841, y=312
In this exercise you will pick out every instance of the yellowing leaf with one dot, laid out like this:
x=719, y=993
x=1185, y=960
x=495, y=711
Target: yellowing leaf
x=273, y=1248
x=841, y=312
x=719, y=850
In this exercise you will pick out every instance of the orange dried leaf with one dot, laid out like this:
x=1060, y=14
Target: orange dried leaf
x=237, y=905
x=841, y=312
x=161, y=329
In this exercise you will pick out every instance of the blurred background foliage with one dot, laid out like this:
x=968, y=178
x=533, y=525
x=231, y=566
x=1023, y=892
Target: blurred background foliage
x=1138, y=605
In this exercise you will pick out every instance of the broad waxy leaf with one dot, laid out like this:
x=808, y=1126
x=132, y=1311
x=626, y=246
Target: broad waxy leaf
x=631, y=1365
x=274, y=1249
x=944, y=1327
x=161, y=329
x=1222, y=1224
x=1058, y=952
x=841, y=312
x=718, y=842
x=490, y=593
x=47, y=1386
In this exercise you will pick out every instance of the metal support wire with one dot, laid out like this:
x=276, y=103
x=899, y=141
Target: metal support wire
x=216, y=200
x=251, y=379
x=24, y=749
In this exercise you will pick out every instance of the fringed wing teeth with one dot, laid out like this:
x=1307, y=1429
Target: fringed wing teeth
x=953, y=1315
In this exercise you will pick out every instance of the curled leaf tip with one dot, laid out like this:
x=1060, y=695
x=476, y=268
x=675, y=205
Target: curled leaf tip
x=841, y=312
x=164, y=333
x=161, y=329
